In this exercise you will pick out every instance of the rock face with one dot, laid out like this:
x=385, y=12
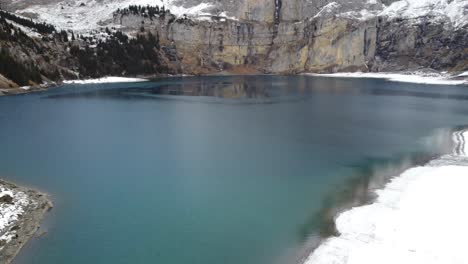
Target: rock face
x=270, y=36
x=324, y=43
x=287, y=47
x=433, y=45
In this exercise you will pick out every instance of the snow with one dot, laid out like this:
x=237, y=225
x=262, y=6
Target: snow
x=327, y=9
x=456, y=11
x=417, y=77
x=26, y=30
x=68, y=14
x=362, y=15
x=418, y=218
x=106, y=80
x=9, y=213
x=224, y=14
x=463, y=74
x=358, y=13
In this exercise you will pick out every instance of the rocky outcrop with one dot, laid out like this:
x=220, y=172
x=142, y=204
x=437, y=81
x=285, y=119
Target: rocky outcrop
x=6, y=83
x=402, y=45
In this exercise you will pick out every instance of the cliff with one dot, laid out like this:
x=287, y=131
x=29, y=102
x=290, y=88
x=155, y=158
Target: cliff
x=337, y=38
x=269, y=36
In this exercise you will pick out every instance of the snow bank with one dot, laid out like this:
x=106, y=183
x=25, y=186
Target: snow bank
x=419, y=217
x=463, y=74
x=9, y=212
x=71, y=15
x=422, y=78
x=106, y=80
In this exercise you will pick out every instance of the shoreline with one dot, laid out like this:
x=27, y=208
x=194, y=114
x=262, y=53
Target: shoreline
x=360, y=191
x=418, y=77
x=22, y=211
x=393, y=227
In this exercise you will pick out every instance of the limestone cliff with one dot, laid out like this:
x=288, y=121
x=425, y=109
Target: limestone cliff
x=327, y=42
x=269, y=36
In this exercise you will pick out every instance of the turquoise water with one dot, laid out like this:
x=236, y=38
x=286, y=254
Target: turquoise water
x=207, y=169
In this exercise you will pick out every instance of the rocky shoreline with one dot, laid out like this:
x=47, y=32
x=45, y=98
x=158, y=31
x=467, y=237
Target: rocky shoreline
x=21, y=212
x=15, y=91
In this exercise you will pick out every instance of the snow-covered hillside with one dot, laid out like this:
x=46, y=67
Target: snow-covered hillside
x=453, y=11
x=85, y=15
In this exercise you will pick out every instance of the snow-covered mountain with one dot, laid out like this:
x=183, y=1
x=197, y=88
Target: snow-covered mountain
x=83, y=15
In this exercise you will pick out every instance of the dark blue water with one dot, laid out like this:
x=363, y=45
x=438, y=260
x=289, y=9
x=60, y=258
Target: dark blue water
x=207, y=169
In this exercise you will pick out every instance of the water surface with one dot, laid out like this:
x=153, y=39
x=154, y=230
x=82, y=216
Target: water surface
x=209, y=169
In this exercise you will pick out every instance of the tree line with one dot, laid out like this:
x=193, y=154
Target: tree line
x=17, y=72
x=121, y=55
x=145, y=11
x=42, y=28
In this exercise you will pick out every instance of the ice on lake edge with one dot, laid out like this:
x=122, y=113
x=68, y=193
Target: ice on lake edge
x=418, y=217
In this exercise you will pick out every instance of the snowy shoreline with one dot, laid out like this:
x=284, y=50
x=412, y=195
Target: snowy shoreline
x=407, y=77
x=418, y=217
x=21, y=212
x=110, y=79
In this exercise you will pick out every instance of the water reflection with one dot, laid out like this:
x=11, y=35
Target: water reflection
x=241, y=87
x=234, y=89
x=282, y=88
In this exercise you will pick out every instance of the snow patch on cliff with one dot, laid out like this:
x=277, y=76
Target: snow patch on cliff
x=456, y=10
x=327, y=9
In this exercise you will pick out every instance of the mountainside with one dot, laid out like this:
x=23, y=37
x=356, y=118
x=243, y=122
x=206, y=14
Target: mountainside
x=135, y=37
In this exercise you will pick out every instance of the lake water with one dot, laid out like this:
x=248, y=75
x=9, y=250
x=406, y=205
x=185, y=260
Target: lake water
x=211, y=169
